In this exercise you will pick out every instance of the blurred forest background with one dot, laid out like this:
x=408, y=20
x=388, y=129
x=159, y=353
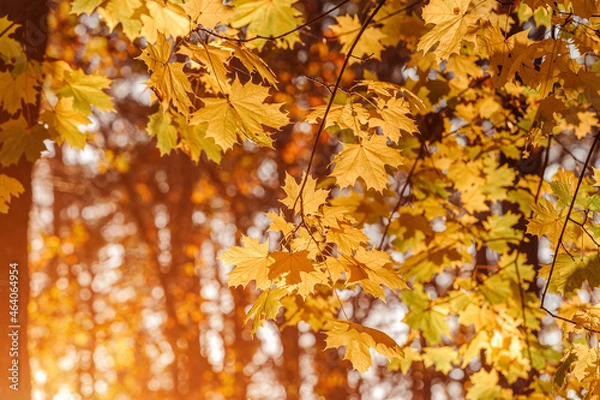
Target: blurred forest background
x=128, y=300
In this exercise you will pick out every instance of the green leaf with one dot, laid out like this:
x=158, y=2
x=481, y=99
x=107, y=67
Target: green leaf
x=563, y=369
x=422, y=315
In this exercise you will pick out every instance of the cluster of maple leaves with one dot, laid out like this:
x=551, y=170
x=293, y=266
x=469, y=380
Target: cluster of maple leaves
x=500, y=80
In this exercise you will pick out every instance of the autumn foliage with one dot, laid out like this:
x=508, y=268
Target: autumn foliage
x=406, y=185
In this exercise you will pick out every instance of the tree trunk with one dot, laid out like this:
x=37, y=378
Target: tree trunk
x=31, y=15
x=14, y=290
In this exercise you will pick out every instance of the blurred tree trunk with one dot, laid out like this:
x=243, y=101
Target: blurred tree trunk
x=31, y=15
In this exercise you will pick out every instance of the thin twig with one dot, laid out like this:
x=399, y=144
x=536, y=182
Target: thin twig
x=272, y=38
x=564, y=228
x=331, y=99
x=401, y=195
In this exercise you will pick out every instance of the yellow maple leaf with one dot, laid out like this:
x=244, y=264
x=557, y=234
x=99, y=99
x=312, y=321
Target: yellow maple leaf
x=484, y=385
x=160, y=125
x=86, y=90
x=115, y=12
x=367, y=161
x=452, y=25
x=369, y=44
x=376, y=264
x=358, y=340
x=394, y=115
x=9, y=187
x=208, y=13
x=346, y=238
x=194, y=141
x=242, y=113
x=251, y=61
x=165, y=18
x=251, y=263
x=266, y=307
x=84, y=6
x=312, y=198
x=289, y=265
x=64, y=123
x=168, y=81
x=9, y=47
x=586, y=120
x=214, y=58
x=441, y=358
x=280, y=224
x=348, y=115
x=267, y=18
x=546, y=221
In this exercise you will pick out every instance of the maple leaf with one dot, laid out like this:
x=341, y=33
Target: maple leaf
x=563, y=369
x=506, y=55
x=9, y=47
x=115, y=12
x=85, y=6
x=312, y=198
x=547, y=221
x=267, y=18
x=242, y=113
x=499, y=231
x=251, y=262
x=19, y=86
x=358, y=340
x=394, y=118
x=169, y=82
x=86, y=91
x=160, y=125
x=195, y=140
x=9, y=187
x=376, y=264
x=252, y=62
x=452, y=25
x=266, y=307
x=208, y=13
x=346, y=238
x=484, y=386
x=213, y=57
x=430, y=320
x=562, y=186
x=289, y=265
x=441, y=358
x=348, y=115
x=18, y=139
x=65, y=122
x=581, y=122
x=164, y=17
x=367, y=161
x=280, y=224
x=369, y=44
x=569, y=274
